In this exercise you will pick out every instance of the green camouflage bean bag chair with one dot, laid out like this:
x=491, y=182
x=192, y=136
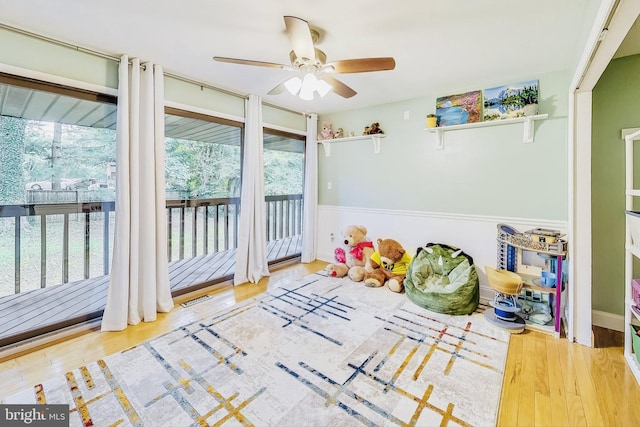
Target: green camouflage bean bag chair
x=443, y=279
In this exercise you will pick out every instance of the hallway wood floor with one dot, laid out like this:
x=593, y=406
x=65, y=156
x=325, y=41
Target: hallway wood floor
x=548, y=381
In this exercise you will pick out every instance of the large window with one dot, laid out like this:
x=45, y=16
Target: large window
x=57, y=163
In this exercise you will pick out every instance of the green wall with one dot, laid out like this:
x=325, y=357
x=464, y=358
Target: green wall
x=34, y=54
x=615, y=106
x=481, y=171
x=209, y=99
x=272, y=115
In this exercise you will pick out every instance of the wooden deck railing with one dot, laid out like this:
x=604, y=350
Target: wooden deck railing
x=219, y=232
x=223, y=212
x=284, y=216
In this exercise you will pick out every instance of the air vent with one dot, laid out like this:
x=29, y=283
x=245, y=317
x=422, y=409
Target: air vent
x=195, y=301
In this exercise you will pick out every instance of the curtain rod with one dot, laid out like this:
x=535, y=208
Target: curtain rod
x=114, y=57
x=285, y=109
x=239, y=95
x=203, y=85
x=60, y=43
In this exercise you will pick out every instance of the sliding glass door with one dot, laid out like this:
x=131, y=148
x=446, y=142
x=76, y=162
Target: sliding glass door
x=284, y=183
x=57, y=192
x=203, y=157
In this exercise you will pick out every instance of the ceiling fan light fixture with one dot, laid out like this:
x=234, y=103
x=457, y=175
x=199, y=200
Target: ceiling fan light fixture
x=309, y=85
x=322, y=87
x=309, y=81
x=293, y=85
x=306, y=94
x=309, y=62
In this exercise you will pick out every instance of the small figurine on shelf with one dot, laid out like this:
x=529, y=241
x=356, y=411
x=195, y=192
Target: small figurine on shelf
x=373, y=129
x=339, y=133
x=432, y=121
x=326, y=132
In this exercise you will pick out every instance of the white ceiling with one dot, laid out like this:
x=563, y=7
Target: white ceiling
x=440, y=47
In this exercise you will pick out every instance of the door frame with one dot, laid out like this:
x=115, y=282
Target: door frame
x=612, y=23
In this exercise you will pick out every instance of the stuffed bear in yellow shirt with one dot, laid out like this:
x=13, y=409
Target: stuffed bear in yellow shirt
x=389, y=266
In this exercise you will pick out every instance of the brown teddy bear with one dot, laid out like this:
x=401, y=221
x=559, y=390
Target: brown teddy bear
x=375, y=129
x=355, y=260
x=389, y=263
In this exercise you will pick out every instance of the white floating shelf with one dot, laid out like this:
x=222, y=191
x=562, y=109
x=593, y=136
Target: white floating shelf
x=631, y=134
x=326, y=143
x=526, y=138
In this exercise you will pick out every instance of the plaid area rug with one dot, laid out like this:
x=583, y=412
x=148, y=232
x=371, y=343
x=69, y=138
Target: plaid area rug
x=319, y=351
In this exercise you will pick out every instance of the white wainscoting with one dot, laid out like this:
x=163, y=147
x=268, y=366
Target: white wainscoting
x=474, y=234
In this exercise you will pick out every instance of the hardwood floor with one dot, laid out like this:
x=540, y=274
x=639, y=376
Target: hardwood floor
x=547, y=382
x=552, y=382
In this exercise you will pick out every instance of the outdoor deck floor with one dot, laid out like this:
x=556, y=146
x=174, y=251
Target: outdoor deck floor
x=33, y=313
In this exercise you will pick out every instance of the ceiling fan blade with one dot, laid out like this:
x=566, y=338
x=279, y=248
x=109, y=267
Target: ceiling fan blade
x=363, y=65
x=339, y=87
x=300, y=37
x=249, y=62
x=277, y=90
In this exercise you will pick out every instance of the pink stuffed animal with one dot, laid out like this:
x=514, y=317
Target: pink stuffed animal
x=354, y=259
x=326, y=132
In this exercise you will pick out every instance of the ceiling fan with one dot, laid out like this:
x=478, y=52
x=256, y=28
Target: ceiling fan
x=314, y=70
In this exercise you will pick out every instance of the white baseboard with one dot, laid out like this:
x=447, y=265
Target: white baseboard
x=608, y=320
